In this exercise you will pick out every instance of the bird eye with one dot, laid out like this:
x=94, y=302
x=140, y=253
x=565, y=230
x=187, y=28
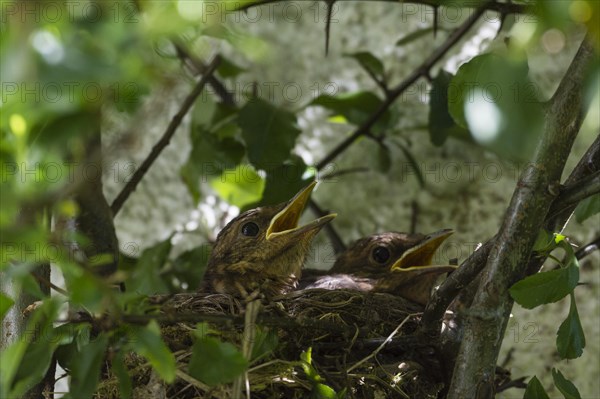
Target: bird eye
x=381, y=254
x=250, y=229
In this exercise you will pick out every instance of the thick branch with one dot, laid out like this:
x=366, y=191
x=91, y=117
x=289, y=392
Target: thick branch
x=421, y=71
x=164, y=141
x=509, y=255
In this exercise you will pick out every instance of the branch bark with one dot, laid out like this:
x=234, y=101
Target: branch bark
x=486, y=320
x=164, y=140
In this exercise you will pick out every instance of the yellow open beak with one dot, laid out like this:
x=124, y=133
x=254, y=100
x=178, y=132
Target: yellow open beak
x=285, y=222
x=417, y=259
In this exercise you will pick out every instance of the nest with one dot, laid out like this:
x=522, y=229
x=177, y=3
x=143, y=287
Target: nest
x=363, y=344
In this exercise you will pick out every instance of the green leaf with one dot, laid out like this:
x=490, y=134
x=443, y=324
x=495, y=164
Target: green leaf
x=266, y=341
x=535, y=390
x=9, y=365
x=214, y=362
x=228, y=69
x=147, y=342
x=79, y=337
x=209, y=157
x=31, y=286
x=414, y=165
x=441, y=124
x=120, y=370
x=545, y=287
x=319, y=390
x=309, y=370
x=72, y=128
x=493, y=97
x=240, y=186
x=269, y=133
x=89, y=291
x=384, y=158
x=566, y=387
x=32, y=359
x=85, y=371
x=322, y=391
x=356, y=108
x=414, y=36
x=570, y=339
x=283, y=182
x=190, y=266
x=5, y=304
x=587, y=208
x=146, y=277
x=370, y=63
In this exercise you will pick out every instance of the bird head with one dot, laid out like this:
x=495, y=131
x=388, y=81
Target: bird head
x=401, y=263
x=264, y=247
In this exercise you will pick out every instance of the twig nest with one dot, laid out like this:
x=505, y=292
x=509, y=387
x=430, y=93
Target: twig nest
x=363, y=343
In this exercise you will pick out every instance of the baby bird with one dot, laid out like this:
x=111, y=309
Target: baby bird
x=263, y=249
x=392, y=262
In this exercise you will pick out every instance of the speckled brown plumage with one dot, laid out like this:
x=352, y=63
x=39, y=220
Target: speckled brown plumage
x=270, y=260
x=392, y=262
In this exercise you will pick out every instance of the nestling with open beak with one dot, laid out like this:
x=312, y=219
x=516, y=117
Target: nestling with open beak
x=263, y=249
x=395, y=263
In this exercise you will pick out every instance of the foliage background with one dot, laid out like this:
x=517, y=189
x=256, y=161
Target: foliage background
x=288, y=49
x=292, y=55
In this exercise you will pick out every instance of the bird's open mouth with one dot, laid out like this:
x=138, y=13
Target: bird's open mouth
x=286, y=221
x=418, y=258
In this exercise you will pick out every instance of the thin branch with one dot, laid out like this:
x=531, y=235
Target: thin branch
x=164, y=140
x=587, y=249
x=414, y=216
x=330, y=4
x=380, y=347
x=49, y=284
x=200, y=68
x=342, y=172
x=379, y=82
x=334, y=237
x=516, y=383
x=394, y=93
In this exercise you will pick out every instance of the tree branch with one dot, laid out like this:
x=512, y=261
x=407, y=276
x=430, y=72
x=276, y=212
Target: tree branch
x=164, y=140
x=587, y=165
x=334, y=237
x=575, y=193
x=199, y=68
x=394, y=93
x=486, y=320
x=587, y=249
